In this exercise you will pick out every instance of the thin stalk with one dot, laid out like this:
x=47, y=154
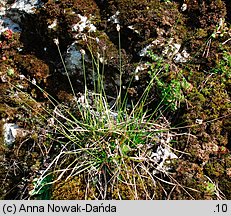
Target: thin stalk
x=68, y=77
x=118, y=102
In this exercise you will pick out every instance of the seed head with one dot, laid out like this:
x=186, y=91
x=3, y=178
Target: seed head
x=118, y=27
x=82, y=51
x=56, y=41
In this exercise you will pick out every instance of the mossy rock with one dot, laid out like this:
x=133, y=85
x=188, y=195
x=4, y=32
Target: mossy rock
x=32, y=67
x=75, y=188
x=140, y=24
x=136, y=187
x=219, y=171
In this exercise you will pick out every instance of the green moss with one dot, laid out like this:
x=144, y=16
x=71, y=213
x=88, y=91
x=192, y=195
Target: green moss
x=74, y=189
x=214, y=169
x=201, y=33
x=127, y=185
x=130, y=185
x=218, y=171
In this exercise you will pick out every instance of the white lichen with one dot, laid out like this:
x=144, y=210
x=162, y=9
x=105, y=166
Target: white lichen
x=144, y=51
x=10, y=15
x=139, y=68
x=28, y=6
x=171, y=49
x=115, y=18
x=181, y=57
x=162, y=154
x=132, y=27
x=83, y=24
x=53, y=24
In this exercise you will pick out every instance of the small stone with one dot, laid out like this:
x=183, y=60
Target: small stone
x=9, y=133
x=73, y=60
